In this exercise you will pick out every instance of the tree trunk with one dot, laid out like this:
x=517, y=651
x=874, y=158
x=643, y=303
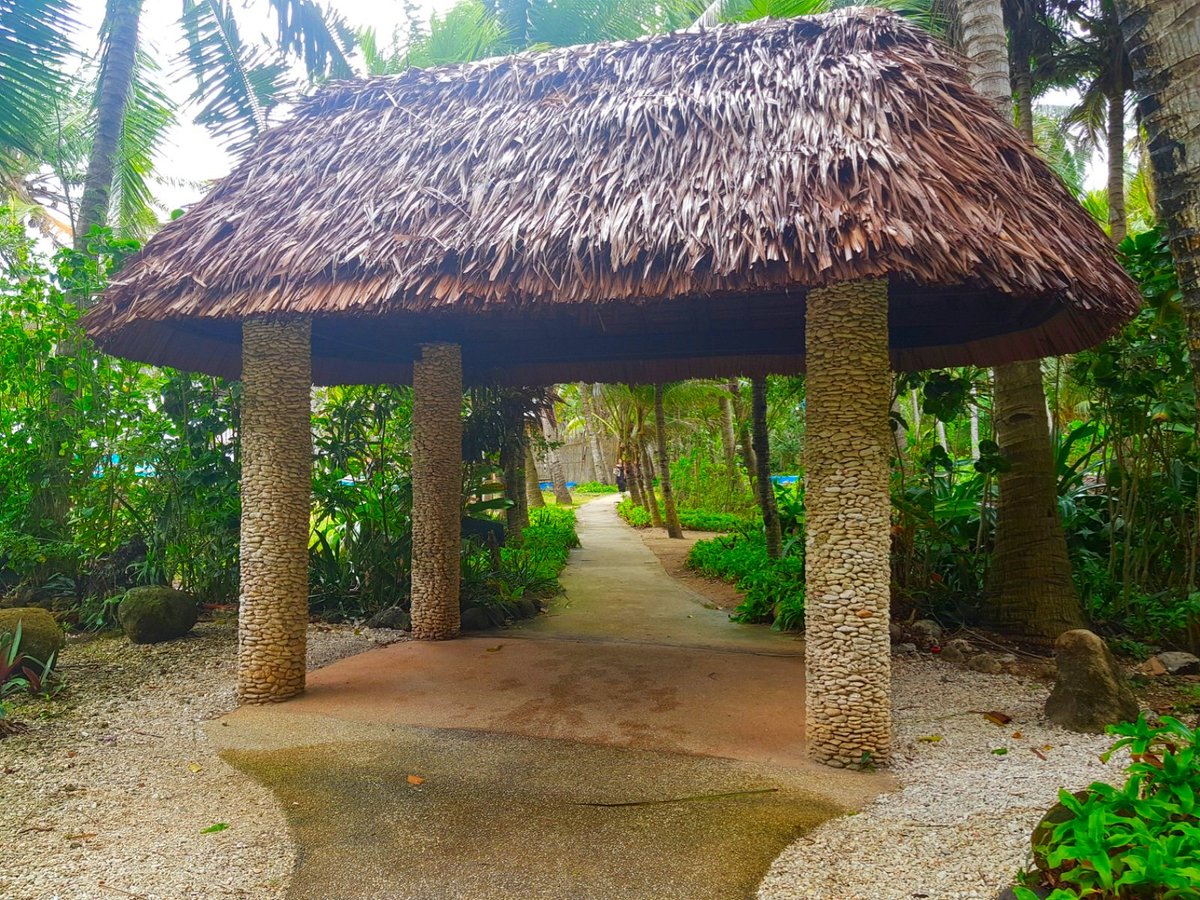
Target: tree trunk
x=656, y=518
x=729, y=439
x=603, y=472
x=1033, y=595
x=762, y=455
x=276, y=449
x=112, y=98
x=562, y=496
x=1116, y=166
x=674, y=529
x=744, y=442
x=437, y=491
x=533, y=484
x=633, y=478
x=848, y=575
x=1030, y=591
x=512, y=463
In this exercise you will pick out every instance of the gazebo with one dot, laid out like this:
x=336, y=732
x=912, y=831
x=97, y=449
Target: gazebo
x=823, y=194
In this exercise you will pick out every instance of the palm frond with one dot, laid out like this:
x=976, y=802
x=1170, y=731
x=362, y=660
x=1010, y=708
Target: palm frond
x=316, y=35
x=33, y=43
x=237, y=85
x=147, y=117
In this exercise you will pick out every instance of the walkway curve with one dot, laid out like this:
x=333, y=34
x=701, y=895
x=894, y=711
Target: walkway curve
x=527, y=745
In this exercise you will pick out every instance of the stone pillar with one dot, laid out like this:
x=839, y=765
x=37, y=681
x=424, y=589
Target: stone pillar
x=276, y=435
x=847, y=572
x=437, y=490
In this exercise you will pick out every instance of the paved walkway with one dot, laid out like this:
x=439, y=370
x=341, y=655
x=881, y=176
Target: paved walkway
x=631, y=743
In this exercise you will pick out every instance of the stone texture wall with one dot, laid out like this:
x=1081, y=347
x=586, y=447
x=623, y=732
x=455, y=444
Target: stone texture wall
x=437, y=489
x=276, y=498
x=849, y=524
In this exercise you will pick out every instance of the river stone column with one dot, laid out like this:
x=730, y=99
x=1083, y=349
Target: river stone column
x=847, y=572
x=437, y=489
x=276, y=489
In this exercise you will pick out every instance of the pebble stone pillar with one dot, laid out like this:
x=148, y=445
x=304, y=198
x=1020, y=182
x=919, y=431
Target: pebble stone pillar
x=847, y=572
x=276, y=496
x=437, y=486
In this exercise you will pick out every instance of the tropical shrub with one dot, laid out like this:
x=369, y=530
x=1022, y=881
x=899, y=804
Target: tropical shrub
x=773, y=588
x=1140, y=840
x=690, y=519
x=594, y=487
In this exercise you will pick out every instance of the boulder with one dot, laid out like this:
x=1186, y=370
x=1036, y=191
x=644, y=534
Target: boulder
x=904, y=649
x=1178, y=663
x=927, y=631
x=393, y=617
x=40, y=635
x=985, y=663
x=1090, y=692
x=957, y=650
x=153, y=614
x=526, y=608
x=475, y=618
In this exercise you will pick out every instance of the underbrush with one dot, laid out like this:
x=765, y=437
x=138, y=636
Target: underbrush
x=1139, y=841
x=774, y=588
x=689, y=519
x=594, y=487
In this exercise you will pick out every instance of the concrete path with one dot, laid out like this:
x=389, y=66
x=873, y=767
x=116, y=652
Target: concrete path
x=631, y=743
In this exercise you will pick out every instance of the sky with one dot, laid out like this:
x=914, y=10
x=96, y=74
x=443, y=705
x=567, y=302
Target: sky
x=191, y=158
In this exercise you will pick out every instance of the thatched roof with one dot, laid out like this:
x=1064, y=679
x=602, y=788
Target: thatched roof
x=643, y=210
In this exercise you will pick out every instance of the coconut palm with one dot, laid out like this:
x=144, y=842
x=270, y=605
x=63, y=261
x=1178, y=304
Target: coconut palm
x=33, y=46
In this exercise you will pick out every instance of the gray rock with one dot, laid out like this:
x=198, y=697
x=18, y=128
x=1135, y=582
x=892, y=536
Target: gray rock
x=904, y=649
x=1090, y=692
x=957, y=650
x=526, y=608
x=392, y=617
x=475, y=619
x=152, y=614
x=1178, y=663
x=928, y=630
x=986, y=663
x=896, y=631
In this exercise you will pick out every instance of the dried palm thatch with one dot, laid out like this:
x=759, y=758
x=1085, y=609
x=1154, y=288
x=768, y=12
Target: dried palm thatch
x=644, y=210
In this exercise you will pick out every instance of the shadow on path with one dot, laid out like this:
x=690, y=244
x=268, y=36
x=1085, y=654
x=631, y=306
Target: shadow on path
x=628, y=691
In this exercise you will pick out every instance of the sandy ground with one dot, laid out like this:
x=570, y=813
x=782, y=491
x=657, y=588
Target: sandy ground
x=672, y=553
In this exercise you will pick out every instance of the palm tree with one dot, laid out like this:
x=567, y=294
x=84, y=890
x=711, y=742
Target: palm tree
x=1163, y=41
x=763, y=484
x=674, y=529
x=1030, y=587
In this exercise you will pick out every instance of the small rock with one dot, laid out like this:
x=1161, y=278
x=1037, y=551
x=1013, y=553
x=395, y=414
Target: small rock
x=904, y=649
x=475, y=619
x=895, y=631
x=393, y=617
x=1091, y=692
x=526, y=608
x=1178, y=663
x=957, y=650
x=985, y=663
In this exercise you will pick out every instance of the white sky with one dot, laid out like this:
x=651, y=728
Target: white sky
x=191, y=157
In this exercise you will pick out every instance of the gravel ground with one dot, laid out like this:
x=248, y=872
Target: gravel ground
x=108, y=792
x=959, y=826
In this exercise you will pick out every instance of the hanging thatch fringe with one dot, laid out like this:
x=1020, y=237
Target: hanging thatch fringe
x=572, y=185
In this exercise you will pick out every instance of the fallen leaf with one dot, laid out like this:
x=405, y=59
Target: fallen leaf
x=1000, y=751
x=1038, y=753
x=930, y=739
x=215, y=828
x=1018, y=735
x=82, y=836
x=1154, y=667
x=494, y=649
x=997, y=718
x=415, y=779
x=195, y=768
x=71, y=754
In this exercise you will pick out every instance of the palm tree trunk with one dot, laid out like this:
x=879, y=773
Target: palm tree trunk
x=847, y=574
x=276, y=449
x=512, y=463
x=562, y=496
x=533, y=484
x=729, y=439
x=1116, y=166
x=647, y=469
x=762, y=455
x=603, y=472
x=1029, y=587
x=112, y=98
x=745, y=445
x=437, y=491
x=674, y=529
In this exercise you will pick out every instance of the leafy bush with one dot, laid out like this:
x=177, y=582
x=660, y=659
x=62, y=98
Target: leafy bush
x=690, y=519
x=774, y=588
x=1141, y=840
x=528, y=570
x=594, y=487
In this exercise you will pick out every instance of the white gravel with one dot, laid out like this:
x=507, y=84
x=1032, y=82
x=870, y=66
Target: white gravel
x=959, y=826
x=106, y=795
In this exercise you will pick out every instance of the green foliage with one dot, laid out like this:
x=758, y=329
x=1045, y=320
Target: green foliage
x=20, y=673
x=700, y=481
x=774, y=588
x=527, y=570
x=690, y=519
x=594, y=487
x=1140, y=840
